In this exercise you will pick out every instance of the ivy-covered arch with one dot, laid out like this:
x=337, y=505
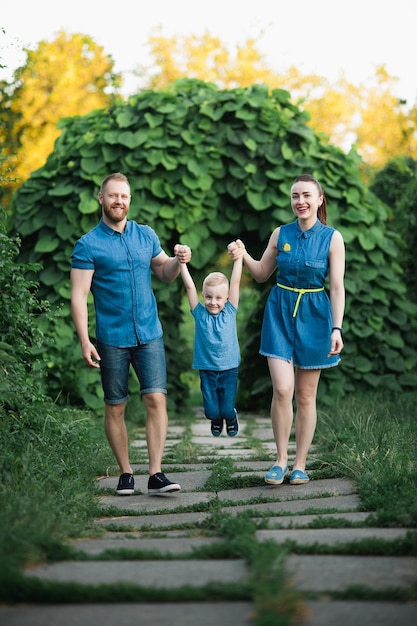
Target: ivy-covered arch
x=207, y=166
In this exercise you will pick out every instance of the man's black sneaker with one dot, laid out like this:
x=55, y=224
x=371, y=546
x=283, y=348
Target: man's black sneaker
x=126, y=485
x=217, y=427
x=232, y=426
x=159, y=483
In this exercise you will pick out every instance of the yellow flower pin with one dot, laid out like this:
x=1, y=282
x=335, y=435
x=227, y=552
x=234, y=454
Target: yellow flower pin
x=286, y=247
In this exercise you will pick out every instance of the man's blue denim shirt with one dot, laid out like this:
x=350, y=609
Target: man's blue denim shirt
x=126, y=309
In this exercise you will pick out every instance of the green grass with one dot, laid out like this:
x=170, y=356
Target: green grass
x=374, y=441
x=49, y=459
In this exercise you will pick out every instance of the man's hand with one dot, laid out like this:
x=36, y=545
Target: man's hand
x=90, y=355
x=182, y=253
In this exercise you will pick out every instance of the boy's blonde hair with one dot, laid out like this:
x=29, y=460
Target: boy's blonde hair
x=214, y=279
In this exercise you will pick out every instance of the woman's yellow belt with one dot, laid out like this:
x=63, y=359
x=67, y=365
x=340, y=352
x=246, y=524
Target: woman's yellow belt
x=300, y=292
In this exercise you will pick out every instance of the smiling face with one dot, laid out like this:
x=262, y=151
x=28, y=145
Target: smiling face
x=215, y=297
x=215, y=292
x=115, y=202
x=305, y=201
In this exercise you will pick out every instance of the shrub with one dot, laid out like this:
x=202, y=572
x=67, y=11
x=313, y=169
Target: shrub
x=207, y=166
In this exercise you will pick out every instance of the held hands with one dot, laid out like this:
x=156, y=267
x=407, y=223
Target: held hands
x=236, y=249
x=182, y=253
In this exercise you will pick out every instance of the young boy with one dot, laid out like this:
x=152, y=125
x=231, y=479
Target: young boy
x=216, y=347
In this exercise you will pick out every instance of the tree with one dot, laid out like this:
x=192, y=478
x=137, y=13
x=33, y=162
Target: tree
x=69, y=76
x=206, y=58
x=368, y=116
x=214, y=165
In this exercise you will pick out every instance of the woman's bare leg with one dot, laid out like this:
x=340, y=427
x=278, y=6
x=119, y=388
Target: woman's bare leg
x=282, y=378
x=306, y=383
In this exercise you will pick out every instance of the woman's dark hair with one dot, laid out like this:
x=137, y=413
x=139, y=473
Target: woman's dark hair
x=322, y=212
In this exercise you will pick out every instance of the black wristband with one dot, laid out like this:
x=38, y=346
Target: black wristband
x=337, y=328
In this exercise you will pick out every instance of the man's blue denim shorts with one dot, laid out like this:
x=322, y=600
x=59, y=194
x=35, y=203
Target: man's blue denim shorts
x=147, y=360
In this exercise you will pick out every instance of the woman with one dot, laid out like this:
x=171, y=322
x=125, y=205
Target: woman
x=302, y=328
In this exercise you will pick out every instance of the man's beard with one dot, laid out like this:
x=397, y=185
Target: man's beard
x=112, y=217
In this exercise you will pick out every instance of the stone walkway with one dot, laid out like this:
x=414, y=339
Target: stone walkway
x=169, y=529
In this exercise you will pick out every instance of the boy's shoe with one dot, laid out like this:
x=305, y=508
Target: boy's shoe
x=232, y=426
x=126, y=485
x=159, y=483
x=217, y=427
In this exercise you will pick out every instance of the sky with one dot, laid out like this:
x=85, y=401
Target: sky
x=325, y=37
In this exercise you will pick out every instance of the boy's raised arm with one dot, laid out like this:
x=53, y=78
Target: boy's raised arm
x=234, y=290
x=189, y=285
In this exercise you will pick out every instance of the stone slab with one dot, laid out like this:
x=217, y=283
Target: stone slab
x=301, y=521
x=163, y=545
x=161, y=614
x=336, y=487
x=142, y=503
x=340, y=503
x=237, y=453
x=157, y=574
x=345, y=613
x=330, y=536
x=207, y=439
x=154, y=521
x=329, y=573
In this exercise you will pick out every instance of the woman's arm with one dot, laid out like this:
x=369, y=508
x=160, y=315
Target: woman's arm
x=337, y=289
x=260, y=270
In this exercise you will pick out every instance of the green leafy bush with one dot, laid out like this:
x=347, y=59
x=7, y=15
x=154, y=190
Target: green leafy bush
x=207, y=166
x=396, y=186
x=21, y=377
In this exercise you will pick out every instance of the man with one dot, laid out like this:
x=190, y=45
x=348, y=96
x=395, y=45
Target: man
x=114, y=260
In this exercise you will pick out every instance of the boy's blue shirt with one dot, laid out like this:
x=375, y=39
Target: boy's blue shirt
x=216, y=345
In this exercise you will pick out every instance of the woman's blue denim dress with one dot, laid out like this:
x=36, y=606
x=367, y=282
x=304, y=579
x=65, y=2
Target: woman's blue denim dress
x=297, y=325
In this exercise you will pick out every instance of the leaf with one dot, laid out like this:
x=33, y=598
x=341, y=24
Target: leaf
x=394, y=341
x=61, y=189
x=153, y=119
x=204, y=254
x=363, y=365
x=192, y=137
x=220, y=226
x=286, y=151
x=51, y=276
x=92, y=165
x=47, y=243
x=87, y=204
x=235, y=188
x=258, y=200
x=367, y=240
x=132, y=140
x=126, y=117
x=250, y=144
